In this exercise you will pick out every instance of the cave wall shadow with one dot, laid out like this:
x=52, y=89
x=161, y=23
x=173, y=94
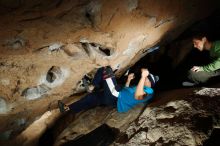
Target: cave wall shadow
x=172, y=77
x=214, y=139
x=101, y=136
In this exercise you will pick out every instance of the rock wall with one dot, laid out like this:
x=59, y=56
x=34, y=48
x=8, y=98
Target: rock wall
x=48, y=46
x=181, y=117
x=184, y=121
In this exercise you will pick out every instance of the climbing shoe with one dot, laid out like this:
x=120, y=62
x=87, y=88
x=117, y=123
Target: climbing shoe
x=188, y=84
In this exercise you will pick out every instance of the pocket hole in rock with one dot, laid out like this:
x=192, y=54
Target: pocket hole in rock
x=53, y=74
x=106, y=51
x=90, y=47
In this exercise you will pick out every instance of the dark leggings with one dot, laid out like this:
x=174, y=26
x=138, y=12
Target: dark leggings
x=202, y=76
x=101, y=97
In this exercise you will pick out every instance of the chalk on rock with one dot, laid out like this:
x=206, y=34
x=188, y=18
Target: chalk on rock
x=31, y=93
x=35, y=92
x=43, y=89
x=84, y=40
x=54, y=77
x=3, y=106
x=16, y=43
x=55, y=46
x=53, y=74
x=95, y=51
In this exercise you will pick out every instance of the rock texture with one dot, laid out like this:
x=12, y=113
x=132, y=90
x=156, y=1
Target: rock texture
x=47, y=46
x=94, y=118
x=187, y=117
x=187, y=121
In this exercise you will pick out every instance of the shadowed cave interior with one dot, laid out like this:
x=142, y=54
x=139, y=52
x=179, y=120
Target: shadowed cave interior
x=170, y=78
x=47, y=47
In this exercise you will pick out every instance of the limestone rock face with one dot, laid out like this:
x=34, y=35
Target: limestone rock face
x=187, y=121
x=47, y=46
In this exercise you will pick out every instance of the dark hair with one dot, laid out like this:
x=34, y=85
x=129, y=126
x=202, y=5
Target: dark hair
x=199, y=35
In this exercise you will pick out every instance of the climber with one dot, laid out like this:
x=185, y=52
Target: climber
x=111, y=95
x=201, y=74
